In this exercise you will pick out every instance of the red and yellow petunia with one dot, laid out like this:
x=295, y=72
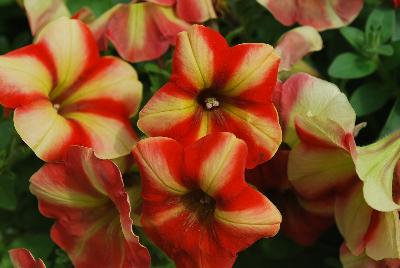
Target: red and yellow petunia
x=143, y=31
x=197, y=206
x=214, y=88
x=321, y=14
x=297, y=43
x=86, y=197
x=64, y=93
x=22, y=258
x=365, y=230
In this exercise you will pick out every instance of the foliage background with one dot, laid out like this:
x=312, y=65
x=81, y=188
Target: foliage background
x=369, y=77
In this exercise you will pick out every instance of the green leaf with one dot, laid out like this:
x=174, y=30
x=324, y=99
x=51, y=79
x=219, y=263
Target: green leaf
x=6, y=2
x=385, y=50
x=6, y=134
x=98, y=7
x=351, y=66
x=369, y=98
x=396, y=34
x=39, y=244
x=382, y=22
x=354, y=36
x=8, y=197
x=393, y=122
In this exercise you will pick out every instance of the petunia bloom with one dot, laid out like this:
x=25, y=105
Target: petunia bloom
x=396, y=3
x=321, y=14
x=64, y=93
x=22, y=258
x=365, y=230
x=378, y=165
x=86, y=197
x=197, y=206
x=214, y=88
x=363, y=261
x=297, y=43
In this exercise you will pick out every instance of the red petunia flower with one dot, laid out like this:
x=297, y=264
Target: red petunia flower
x=22, y=258
x=396, y=3
x=214, y=88
x=197, y=206
x=321, y=14
x=87, y=198
x=64, y=93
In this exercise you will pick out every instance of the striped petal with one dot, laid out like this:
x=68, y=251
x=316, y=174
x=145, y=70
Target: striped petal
x=42, y=12
x=198, y=58
x=143, y=31
x=322, y=15
x=376, y=166
x=53, y=136
x=297, y=43
x=257, y=125
x=174, y=178
x=314, y=99
x=317, y=171
x=195, y=11
x=72, y=48
x=25, y=76
x=111, y=81
x=110, y=136
x=376, y=233
x=86, y=197
x=249, y=73
x=22, y=258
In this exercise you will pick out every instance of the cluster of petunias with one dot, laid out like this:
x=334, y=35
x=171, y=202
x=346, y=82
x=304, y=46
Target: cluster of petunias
x=215, y=150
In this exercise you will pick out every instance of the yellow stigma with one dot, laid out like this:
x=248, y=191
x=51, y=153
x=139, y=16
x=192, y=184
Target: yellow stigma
x=211, y=103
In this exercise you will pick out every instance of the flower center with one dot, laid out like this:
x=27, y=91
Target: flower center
x=56, y=106
x=201, y=204
x=208, y=99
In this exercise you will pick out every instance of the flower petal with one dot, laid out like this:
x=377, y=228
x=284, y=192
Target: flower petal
x=216, y=164
x=348, y=260
x=307, y=96
x=257, y=124
x=250, y=72
x=53, y=136
x=22, y=258
x=317, y=171
x=25, y=76
x=111, y=80
x=297, y=43
x=42, y=12
x=321, y=14
x=376, y=164
x=73, y=49
x=86, y=196
x=195, y=11
x=160, y=163
x=198, y=58
x=110, y=136
x=135, y=33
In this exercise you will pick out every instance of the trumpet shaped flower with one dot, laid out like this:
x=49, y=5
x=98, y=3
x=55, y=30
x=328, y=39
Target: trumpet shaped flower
x=64, y=93
x=378, y=165
x=365, y=230
x=197, y=206
x=321, y=14
x=22, y=258
x=318, y=123
x=215, y=88
x=86, y=197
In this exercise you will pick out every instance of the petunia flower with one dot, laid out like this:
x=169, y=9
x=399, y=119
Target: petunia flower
x=396, y=3
x=297, y=43
x=214, y=88
x=86, y=197
x=303, y=222
x=321, y=14
x=196, y=11
x=318, y=124
x=378, y=165
x=64, y=93
x=144, y=37
x=22, y=258
x=365, y=230
x=197, y=206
